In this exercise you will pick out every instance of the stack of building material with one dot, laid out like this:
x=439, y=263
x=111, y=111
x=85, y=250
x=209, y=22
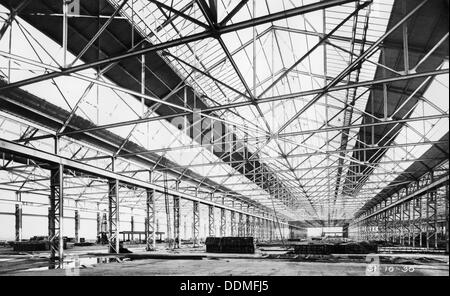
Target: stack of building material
x=38, y=243
x=31, y=246
x=213, y=244
x=343, y=248
x=241, y=245
x=311, y=249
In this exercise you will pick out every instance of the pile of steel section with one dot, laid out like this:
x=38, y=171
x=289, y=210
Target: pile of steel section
x=242, y=245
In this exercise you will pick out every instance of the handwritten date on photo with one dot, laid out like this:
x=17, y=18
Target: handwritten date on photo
x=390, y=268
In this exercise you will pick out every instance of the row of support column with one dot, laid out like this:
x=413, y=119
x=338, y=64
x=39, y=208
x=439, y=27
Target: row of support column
x=247, y=225
x=416, y=222
x=56, y=214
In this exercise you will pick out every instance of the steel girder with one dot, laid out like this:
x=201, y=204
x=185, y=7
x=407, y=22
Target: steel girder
x=50, y=159
x=280, y=98
x=185, y=40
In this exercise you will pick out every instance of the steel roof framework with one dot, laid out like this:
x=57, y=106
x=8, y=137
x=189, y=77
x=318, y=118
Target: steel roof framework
x=188, y=36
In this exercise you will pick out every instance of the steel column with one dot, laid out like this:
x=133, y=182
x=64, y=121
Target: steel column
x=150, y=233
x=56, y=213
x=223, y=222
x=176, y=221
x=77, y=226
x=132, y=228
x=398, y=224
x=113, y=216
x=211, y=224
x=196, y=223
x=233, y=223
x=247, y=226
x=18, y=217
x=406, y=223
x=446, y=217
x=417, y=220
x=99, y=227
x=262, y=230
x=431, y=220
x=241, y=228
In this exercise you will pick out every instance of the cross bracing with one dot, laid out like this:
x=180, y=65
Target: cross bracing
x=314, y=96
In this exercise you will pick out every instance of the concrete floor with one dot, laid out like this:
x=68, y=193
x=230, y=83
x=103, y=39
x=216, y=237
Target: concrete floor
x=92, y=261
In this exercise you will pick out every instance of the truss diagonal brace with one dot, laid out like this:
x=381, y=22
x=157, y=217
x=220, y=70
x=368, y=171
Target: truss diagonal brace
x=192, y=38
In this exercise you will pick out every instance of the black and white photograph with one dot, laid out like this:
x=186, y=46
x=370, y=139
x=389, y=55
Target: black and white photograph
x=221, y=145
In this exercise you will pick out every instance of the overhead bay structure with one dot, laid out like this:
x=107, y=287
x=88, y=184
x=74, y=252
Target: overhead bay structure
x=277, y=127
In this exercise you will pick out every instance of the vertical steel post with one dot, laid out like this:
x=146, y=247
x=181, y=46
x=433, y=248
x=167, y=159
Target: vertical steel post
x=241, y=225
x=406, y=222
x=150, y=221
x=18, y=216
x=77, y=226
x=176, y=221
x=398, y=225
x=417, y=221
x=247, y=226
x=132, y=228
x=405, y=40
x=196, y=223
x=223, y=220
x=65, y=30
x=10, y=45
x=233, y=223
x=56, y=213
x=446, y=218
x=113, y=212
x=252, y=226
x=263, y=229
x=99, y=224
x=143, y=65
x=431, y=219
x=256, y=228
x=211, y=225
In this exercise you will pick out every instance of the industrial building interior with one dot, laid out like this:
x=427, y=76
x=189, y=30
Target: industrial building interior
x=224, y=137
